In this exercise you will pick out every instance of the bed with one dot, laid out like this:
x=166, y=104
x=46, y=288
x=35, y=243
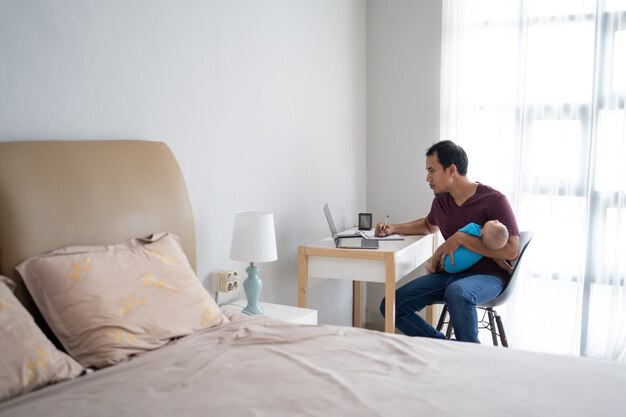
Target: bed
x=95, y=202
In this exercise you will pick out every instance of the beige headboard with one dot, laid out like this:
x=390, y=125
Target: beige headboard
x=58, y=193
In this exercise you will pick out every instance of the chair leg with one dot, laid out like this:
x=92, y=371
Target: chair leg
x=449, y=331
x=442, y=318
x=442, y=321
x=503, y=338
x=492, y=326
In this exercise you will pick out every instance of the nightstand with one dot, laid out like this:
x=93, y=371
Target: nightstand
x=278, y=311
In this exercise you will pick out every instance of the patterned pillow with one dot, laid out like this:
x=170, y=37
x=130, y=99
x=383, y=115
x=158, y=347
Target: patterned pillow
x=106, y=303
x=28, y=360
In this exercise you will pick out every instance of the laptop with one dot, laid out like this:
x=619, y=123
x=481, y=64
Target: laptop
x=348, y=241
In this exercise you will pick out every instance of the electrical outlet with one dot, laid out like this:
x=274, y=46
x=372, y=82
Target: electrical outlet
x=228, y=286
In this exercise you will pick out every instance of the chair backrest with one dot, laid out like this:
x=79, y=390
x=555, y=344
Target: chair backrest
x=524, y=239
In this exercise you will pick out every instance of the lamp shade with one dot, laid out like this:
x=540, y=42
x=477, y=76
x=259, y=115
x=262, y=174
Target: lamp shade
x=254, y=238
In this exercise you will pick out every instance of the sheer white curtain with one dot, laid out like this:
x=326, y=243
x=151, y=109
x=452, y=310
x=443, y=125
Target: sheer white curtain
x=534, y=90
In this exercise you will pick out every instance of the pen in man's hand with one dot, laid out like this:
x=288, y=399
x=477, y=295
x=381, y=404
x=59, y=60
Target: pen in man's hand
x=386, y=223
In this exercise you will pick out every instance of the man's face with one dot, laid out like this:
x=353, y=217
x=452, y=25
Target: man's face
x=437, y=176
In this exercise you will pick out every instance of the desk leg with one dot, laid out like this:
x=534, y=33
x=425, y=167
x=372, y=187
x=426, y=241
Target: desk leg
x=430, y=315
x=390, y=293
x=357, y=303
x=303, y=278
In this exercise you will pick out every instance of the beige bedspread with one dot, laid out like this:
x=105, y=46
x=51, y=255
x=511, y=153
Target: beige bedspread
x=255, y=366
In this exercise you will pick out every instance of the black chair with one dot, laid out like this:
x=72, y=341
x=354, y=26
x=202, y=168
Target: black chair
x=490, y=319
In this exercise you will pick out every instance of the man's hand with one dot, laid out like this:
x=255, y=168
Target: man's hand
x=504, y=265
x=414, y=227
x=381, y=230
x=448, y=248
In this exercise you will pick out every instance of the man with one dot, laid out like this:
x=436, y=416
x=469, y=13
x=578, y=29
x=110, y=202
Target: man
x=458, y=201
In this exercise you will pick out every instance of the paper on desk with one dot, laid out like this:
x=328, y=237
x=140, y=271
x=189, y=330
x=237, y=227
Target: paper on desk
x=370, y=234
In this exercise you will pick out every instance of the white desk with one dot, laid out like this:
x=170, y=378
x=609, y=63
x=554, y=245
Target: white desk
x=391, y=262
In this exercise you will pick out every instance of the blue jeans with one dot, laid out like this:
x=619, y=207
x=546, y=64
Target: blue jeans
x=461, y=292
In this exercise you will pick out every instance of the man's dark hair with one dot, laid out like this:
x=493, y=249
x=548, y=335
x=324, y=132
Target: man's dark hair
x=450, y=153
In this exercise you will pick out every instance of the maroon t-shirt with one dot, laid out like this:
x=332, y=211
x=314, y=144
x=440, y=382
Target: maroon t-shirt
x=486, y=204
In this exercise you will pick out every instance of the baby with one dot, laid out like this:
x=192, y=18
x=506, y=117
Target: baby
x=494, y=236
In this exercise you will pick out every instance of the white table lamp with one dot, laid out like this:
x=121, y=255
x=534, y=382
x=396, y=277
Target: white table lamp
x=254, y=240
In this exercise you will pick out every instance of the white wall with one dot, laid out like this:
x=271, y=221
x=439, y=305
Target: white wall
x=262, y=102
x=403, y=66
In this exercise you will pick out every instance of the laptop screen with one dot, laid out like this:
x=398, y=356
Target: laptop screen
x=350, y=243
x=331, y=223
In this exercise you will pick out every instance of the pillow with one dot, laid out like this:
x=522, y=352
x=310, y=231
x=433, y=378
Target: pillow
x=28, y=360
x=106, y=303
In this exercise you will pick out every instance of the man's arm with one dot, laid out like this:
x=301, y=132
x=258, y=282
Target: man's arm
x=504, y=265
x=415, y=227
x=508, y=252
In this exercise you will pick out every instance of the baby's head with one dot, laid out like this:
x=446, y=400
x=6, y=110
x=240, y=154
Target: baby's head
x=494, y=234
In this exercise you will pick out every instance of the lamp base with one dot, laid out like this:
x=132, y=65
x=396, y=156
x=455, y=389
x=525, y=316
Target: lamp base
x=253, y=285
x=253, y=310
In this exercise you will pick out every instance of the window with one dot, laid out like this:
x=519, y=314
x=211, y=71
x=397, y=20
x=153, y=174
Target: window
x=534, y=90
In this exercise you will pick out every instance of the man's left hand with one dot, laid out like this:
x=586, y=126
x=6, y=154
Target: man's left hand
x=448, y=248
